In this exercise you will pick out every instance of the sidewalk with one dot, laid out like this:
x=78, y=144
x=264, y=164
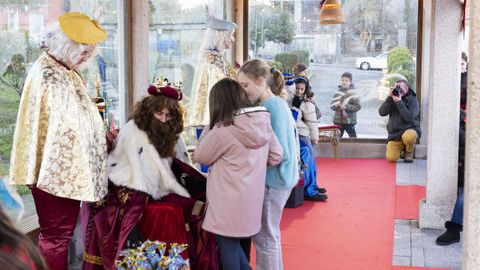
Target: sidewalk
x=414, y=246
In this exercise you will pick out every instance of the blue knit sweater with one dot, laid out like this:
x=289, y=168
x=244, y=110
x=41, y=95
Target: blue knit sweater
x=285, y=175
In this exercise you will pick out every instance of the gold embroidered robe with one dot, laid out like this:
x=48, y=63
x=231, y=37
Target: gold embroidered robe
x=213, y=67
x=59, y=142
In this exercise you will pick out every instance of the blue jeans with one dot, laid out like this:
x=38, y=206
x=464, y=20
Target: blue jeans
x=231, y=252
x=203, y=168
x=457, y=216
x=307, y=154
x=349, y=128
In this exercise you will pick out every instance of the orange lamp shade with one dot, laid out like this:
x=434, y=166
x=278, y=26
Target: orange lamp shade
x=331, y=13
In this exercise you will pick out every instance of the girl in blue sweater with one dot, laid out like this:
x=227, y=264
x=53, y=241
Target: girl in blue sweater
x=257, y=77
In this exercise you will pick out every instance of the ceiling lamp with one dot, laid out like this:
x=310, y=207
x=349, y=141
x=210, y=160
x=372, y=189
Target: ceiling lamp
x=331, y=13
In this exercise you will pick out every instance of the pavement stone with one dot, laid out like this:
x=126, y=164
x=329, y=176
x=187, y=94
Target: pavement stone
x=412, y=173
x=402, y=222
x=401, y=260
x=421, y=250
x=418, y=257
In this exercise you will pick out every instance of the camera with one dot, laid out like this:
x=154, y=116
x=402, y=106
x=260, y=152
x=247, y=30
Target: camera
x=396, y=91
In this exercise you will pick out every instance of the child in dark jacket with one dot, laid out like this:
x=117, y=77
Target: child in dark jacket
x=346, y=104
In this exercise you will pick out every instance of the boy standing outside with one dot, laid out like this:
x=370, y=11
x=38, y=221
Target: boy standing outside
x=346, y=104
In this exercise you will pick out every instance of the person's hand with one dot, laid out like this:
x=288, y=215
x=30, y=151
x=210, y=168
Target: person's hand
x=396, y=98
x=390, y=92
x=343, y=107
x=237, y=65
x=111, y=136
x=314, y=141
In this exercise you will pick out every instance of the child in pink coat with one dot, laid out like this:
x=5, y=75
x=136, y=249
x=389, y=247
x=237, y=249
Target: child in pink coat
x=238, y=145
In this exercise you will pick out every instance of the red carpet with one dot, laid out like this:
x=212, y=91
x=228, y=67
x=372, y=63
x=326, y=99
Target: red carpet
x=406, y=201
x=354, y=229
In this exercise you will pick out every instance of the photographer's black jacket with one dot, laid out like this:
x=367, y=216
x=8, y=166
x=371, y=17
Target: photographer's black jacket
x=403, y=115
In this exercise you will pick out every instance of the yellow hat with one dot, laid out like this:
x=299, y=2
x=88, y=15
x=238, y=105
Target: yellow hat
x=81, y=28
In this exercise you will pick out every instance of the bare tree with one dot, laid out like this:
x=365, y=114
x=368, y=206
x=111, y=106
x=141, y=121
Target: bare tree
x=371, y=19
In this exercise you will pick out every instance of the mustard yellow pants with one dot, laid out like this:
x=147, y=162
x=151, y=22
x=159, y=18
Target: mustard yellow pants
x=394, y=148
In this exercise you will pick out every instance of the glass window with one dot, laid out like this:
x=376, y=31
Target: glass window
x=21, y=28
x=175, y=36
x=376, y=44
x=102, y=75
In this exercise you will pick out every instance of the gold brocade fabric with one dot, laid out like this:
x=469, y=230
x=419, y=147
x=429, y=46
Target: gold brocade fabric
x=213, y=67
x=59, y=142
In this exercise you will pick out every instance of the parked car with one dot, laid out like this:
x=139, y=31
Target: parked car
x=376, y=62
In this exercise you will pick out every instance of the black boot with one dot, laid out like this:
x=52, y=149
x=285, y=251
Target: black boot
x=452, y=235
x=321, y=190
x=319, y=197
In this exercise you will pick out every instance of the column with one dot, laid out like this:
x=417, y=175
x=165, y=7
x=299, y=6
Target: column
x=443, y=111
x=139, y=48
x=471, y=219
x=421, y=149
x=240, y=46
x=125, y=98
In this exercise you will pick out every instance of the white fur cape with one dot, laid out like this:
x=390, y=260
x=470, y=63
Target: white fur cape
x=136, y=164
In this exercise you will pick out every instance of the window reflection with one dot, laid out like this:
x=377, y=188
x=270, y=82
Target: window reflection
x=101, y=74
x=176, y=32
x=376, y=44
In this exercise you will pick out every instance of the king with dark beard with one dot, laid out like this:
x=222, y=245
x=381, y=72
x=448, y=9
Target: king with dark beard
x=138, y=168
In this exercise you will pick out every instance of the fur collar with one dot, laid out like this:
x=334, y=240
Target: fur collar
x=136, y=164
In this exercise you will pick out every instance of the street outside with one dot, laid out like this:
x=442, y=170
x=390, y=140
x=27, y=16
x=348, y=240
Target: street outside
x=325, y=79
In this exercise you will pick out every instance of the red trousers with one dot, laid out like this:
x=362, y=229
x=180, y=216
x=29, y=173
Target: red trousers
x=57, y=217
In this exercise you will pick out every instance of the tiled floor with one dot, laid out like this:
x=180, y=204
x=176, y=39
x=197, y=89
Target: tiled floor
x=414, y=246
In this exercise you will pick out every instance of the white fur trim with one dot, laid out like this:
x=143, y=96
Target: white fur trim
x=136, y=164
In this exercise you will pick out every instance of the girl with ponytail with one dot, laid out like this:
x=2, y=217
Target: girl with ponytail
x=258, y=80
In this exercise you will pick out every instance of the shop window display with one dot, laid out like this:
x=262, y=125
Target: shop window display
x=177, y=30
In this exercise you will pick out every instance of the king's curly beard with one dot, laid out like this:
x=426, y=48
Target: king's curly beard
x=164, y=137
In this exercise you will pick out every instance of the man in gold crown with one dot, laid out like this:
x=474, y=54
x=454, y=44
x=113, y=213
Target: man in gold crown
x=59, y=147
